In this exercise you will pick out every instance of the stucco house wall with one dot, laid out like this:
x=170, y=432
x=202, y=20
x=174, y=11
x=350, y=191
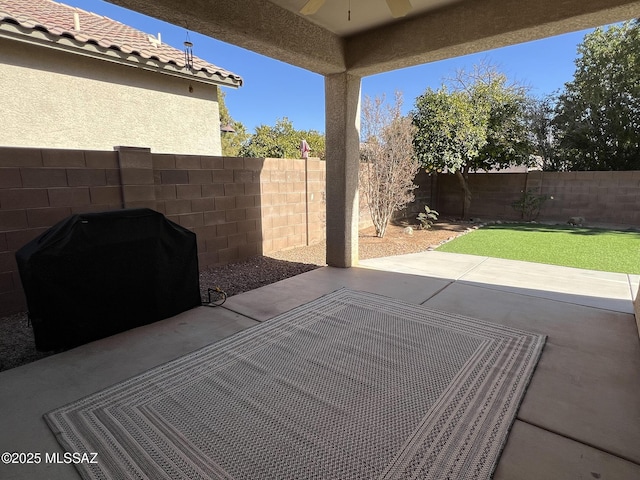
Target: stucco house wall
x=58, y=99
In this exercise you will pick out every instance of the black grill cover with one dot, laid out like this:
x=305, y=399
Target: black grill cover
x=97, y=274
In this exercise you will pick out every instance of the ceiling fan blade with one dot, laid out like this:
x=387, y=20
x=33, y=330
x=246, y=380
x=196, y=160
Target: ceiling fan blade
x=311, y=7
x=398, y=8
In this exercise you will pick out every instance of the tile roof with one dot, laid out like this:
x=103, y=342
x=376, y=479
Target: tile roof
x=91, y=29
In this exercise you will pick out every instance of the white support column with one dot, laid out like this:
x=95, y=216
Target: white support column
x=342, y=109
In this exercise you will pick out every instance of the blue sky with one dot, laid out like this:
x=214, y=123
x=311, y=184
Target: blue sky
x=273, y=89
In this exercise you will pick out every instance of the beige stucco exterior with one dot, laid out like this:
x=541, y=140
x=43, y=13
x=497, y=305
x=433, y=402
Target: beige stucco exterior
x=57, y=99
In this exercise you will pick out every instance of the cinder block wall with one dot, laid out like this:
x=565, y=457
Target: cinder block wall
x=603, y=197
x=492, y=194
x=38, y=188
x=238, y=207
x=599, y=197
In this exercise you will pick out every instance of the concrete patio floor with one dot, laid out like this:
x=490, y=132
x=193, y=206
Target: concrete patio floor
x=580, y=418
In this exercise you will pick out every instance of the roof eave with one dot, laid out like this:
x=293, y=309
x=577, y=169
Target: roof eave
x=44, y=39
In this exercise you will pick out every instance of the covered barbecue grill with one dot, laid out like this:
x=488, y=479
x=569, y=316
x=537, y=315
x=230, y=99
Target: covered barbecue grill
x=93, y=275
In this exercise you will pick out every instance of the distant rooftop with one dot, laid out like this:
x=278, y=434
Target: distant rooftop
x=60, y=26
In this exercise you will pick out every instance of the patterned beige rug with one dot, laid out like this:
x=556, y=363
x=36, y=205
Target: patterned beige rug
x=349, y=386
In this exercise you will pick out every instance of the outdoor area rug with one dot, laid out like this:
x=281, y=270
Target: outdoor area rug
x=349, y=386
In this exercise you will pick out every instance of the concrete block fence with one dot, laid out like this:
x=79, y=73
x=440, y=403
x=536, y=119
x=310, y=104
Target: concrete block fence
x=599, y=197
x=238, y=207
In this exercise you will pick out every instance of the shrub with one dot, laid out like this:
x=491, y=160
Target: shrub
x=427, y=217
x=389, y=164
x=529, y=205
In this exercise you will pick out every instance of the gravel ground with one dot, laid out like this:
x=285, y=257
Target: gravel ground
x=16, y=337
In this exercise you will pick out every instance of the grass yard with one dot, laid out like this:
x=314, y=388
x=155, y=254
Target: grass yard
x=590, y=248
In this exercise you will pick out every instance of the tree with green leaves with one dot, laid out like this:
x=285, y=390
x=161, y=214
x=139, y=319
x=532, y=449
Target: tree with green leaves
x=449, y=136
x=598, y=114
x=232, y=142
x=389, y=164
x=478, y=124
x=282, y=141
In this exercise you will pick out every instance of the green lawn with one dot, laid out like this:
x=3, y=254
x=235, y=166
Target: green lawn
x=591, y=248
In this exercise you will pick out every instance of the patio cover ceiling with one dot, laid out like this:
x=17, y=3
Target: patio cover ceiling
x=373, y=41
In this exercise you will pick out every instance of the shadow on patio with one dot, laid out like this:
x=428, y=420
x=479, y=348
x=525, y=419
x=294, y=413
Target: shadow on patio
x=579, y=419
